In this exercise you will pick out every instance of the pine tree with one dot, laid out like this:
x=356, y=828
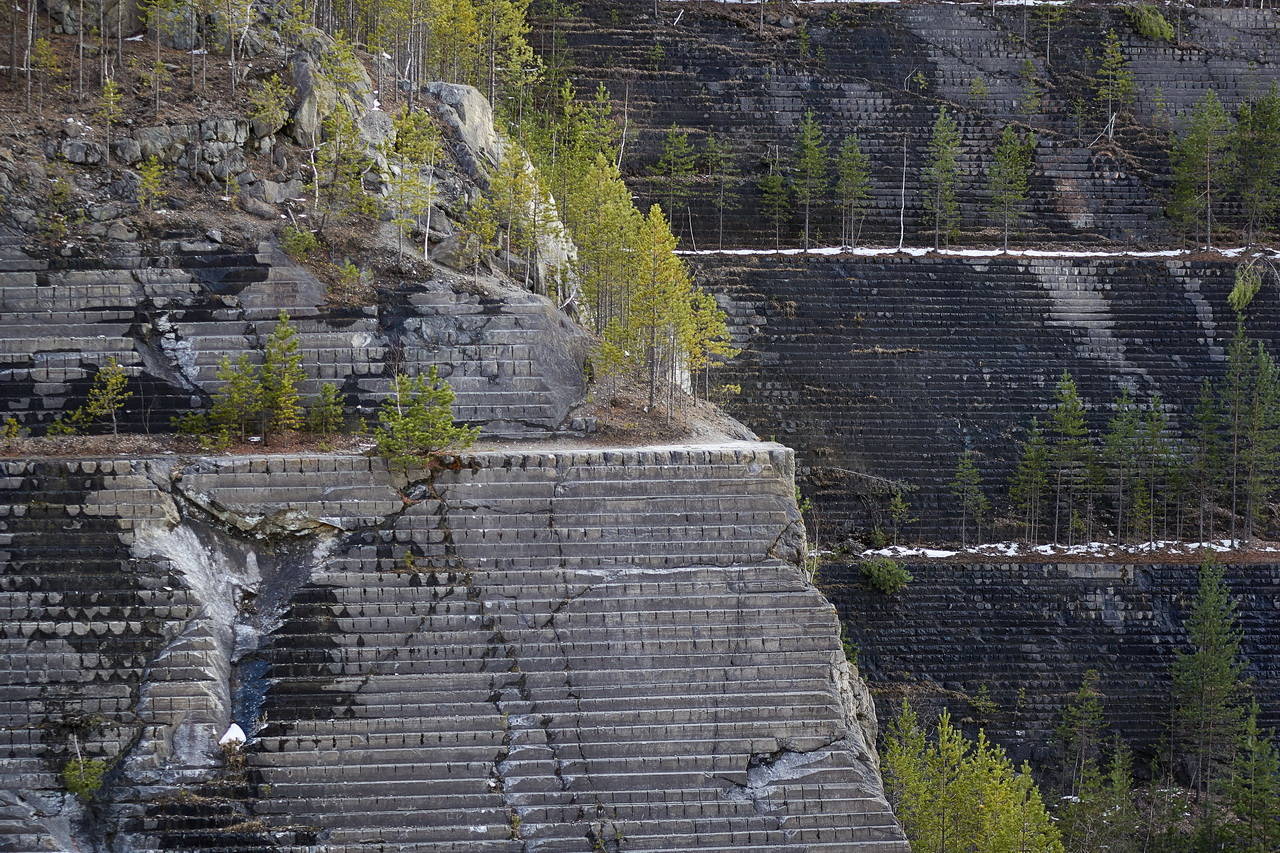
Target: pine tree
x=1120, y=452
x=719, y=166
x=978, y=89
x=1030, y=481
x=1032, y=97
x=1114, y=81
x=1201, y=158
x=1080, y=732
x=1262, y=438
x=1208, y=684
x=110, y=109
x=327, y=415
x=966, y=486
x=281, y=374
x=1009, y=177
x=676, y=168
x=810, y=168
x=338, y=169
x=1102, y=814
x=775, y=198
x=418, y=145
x=957, y=794
x=658, y=307
x=941, y=175
x=1253, y=789
x=1070, y=453
x=1206, y=463
x=1237, y=395
x=899, y=514
x=239, y=402
x=416, y=421
x=1256, y=142
x=151, y=180
x=853, y=187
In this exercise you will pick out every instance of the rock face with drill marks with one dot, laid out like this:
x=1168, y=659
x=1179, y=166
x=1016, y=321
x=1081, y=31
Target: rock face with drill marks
x=170, y=310
x=545, y=651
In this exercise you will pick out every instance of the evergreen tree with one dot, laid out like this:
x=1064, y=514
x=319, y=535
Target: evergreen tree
x=1157, y=455
x=941, y=175
x=659, y=307
x=338, y=166
x=853, y=187
x=416, y=421
x=1080, y=732
x=1206, y=463
x=1253, y=789
x=1256, y=148
x=1030, y=481
x=966, y=486
x=1208, y=684
x=978, y=90
x=418, y=145
x=810, y=168
x=239, y=402
x=1237, y=395
x=1114, y=81
x=775, y=198
x=720, y=168
x=1262, y=438
x=327, y=415
x=676, y=168
x=1120, y=452
x=1032, y=97
x=1201, y=158
x=1070, y=454
x=1102, y=815
x=281, y=375
x=957, y=794
x=1009, y=177
x=110, y=110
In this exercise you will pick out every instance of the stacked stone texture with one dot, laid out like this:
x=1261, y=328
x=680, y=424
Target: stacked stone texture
x=881, y=372
x=556, y=651
x=170, y=311
x=1029, y=632
x=713, y=73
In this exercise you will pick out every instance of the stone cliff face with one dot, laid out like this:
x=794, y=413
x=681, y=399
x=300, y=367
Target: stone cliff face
x=170, y=310
x=883, y=371
x=882, y=71
x=539, y=650
x=1029, y=632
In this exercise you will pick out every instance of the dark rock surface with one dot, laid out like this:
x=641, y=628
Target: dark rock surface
x=887, y=369
x=713, y=72
x=1034, y=630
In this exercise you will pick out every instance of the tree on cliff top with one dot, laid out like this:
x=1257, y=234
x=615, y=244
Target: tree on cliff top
x=809, y=178
x=941, y=175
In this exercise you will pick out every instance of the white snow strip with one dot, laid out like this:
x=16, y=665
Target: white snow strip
x=1088, y=549
x=922, y=251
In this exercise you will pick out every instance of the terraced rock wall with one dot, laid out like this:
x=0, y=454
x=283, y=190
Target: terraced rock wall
x=550, y=650
x=882, y=71
x=1028, y=633
x=885, y=370
x=170, y=310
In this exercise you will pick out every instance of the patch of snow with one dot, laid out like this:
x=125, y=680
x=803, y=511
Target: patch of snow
x=134, y=38
x=233, y=737
x=906, y=551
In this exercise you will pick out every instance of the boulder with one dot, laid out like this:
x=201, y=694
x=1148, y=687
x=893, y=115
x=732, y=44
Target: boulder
x=468, y=114
x=315, y=98
x=82, y=152
x=257, y=207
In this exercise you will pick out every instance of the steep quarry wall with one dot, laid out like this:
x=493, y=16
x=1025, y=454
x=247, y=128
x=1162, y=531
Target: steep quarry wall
x=887, y=369
x=170, y=310
x=537, y=650
x=882, y=71
x=1028, y=633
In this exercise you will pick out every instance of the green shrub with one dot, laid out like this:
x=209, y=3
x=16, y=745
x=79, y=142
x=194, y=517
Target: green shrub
x=886, y=575
x=326, y=415
x=1149, y=22
x=299, y=243
x=83, y=776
